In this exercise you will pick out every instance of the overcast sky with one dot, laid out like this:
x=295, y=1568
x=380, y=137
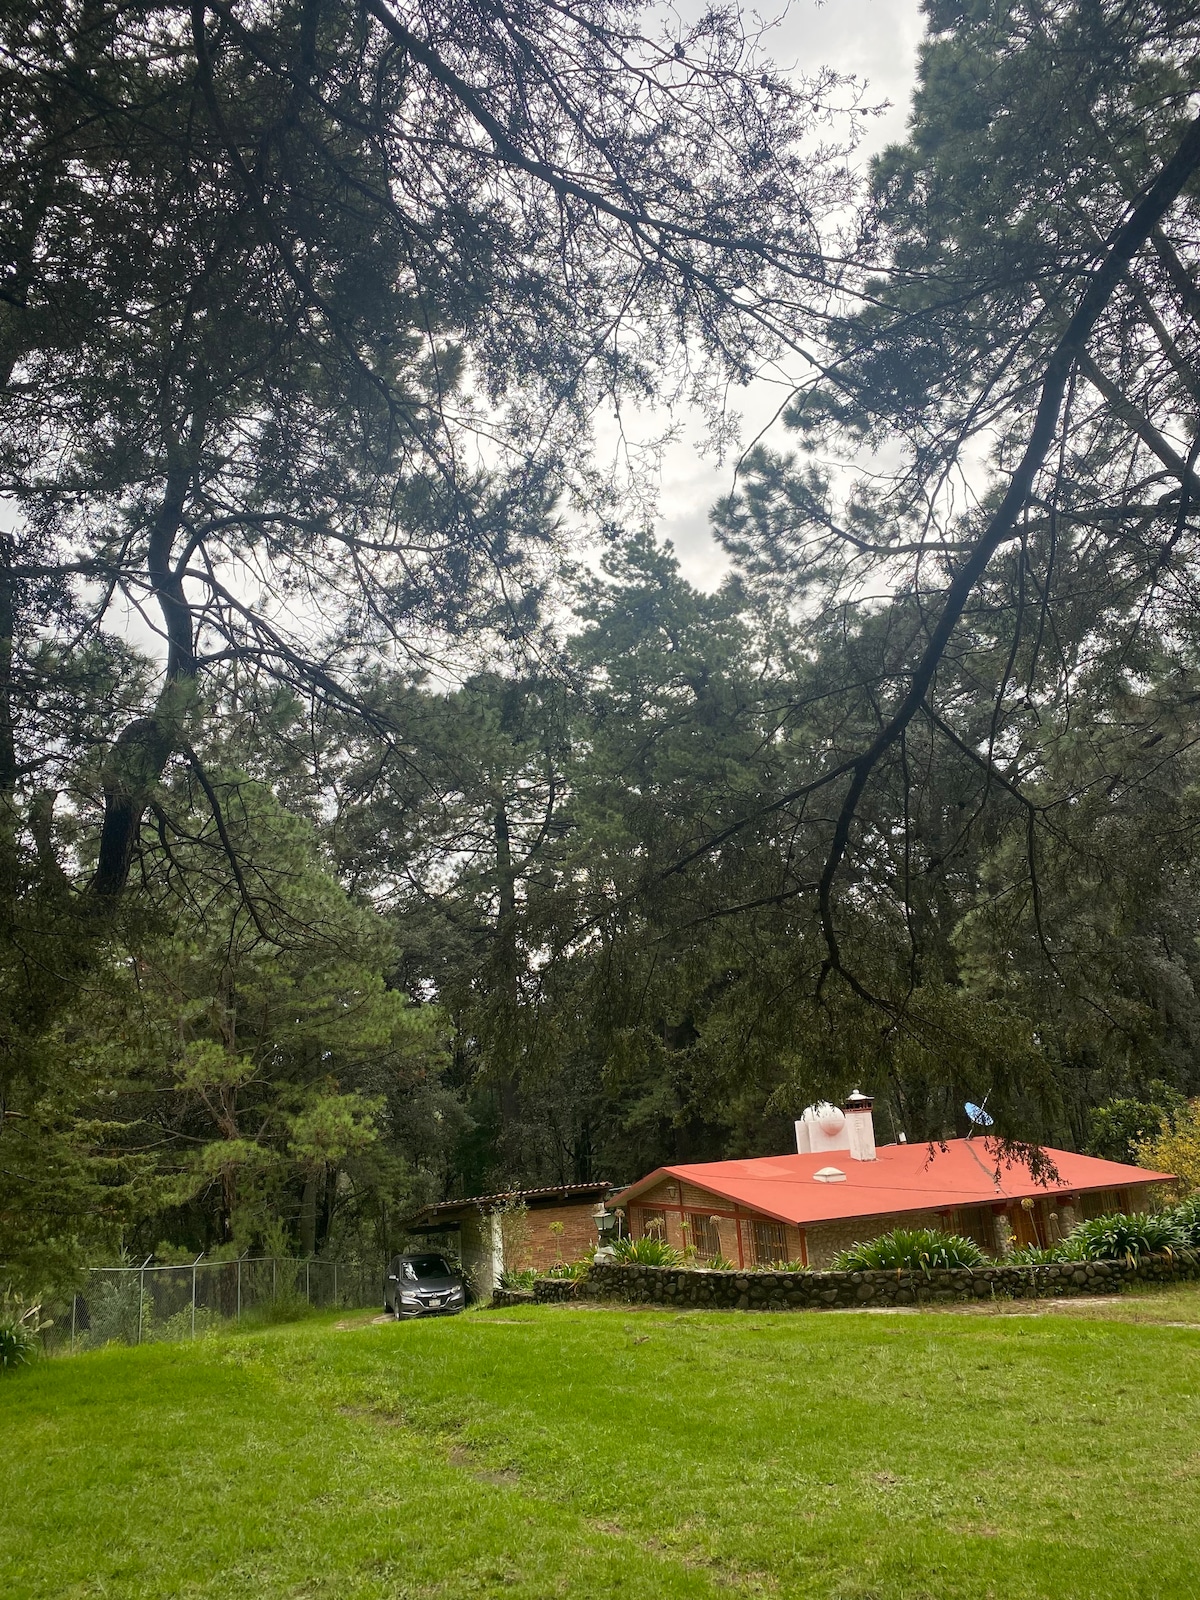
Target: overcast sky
x=877, y=41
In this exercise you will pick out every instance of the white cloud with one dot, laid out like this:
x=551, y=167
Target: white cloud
x=876, y=41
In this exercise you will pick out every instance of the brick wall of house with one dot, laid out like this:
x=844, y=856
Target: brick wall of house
x=816, y=1245
x=677, y=1203
x=827, y=1239
x=542, y=1246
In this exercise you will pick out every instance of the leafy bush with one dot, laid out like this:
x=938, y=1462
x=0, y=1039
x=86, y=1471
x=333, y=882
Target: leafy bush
x=18, y=1336
x=1186, y=1215
x=569, y=1269
x=917, y=1249
x=649, y=1252
x=1034, y=1255
x=1120, y=1238
x=783, y=1266
x=180, y=1325
x=1118, y=1129
x=514, y=1278
x=117, y=1306
x=1176, y=1147
x=720, y=1264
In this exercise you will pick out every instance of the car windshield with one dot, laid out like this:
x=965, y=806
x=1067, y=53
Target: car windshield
x=430, y=1267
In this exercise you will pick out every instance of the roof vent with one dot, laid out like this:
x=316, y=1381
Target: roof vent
x=830, y=1175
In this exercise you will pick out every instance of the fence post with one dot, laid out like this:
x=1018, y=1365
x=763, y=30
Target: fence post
x=335, y=1293
x=195, y=1264
x=274, y=1289
x=308, y=1281
x=74, y=1303
x=142, y=1293
x=239, y=1290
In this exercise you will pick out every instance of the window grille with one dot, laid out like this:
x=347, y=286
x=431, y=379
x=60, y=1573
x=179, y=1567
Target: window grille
x=770, y=1243
x=654, y=1225
x=706, y=1239
x=975, y=1222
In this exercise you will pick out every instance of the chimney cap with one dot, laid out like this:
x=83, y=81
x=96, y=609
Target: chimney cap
x=858, y=1101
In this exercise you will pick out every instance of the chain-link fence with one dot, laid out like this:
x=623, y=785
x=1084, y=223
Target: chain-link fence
x=137, y=1305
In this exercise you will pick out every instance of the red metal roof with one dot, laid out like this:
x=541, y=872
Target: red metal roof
x=904, y=1177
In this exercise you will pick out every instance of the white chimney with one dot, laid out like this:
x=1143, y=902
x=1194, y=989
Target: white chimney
x=822, y=1127
x=860, y=1125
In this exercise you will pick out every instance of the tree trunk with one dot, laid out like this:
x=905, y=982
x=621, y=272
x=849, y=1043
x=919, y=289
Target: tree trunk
x=139, y=757
x=9, y=862
x=506, y=965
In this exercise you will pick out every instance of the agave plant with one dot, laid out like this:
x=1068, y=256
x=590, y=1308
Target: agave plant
x=569, y=1269
x=18, y=1336
x=917, y=1249
x=1120, y=1238
x=1035, y=1255
x=1186, y=1215
x=522, y=1278
x=648, y=1251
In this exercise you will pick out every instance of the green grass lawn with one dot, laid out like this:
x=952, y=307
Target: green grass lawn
x=588, y=1453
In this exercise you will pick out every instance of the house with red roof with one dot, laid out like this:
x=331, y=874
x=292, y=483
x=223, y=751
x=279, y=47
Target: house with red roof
x=841, y=1189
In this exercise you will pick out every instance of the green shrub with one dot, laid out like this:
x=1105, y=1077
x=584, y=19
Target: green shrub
x=1120, y=1238
x=281, y=1291
x=570, y=1269
x=18, y=1342
x=180, y=1324
x=720, y=1264
x=1186, y=1215
x=783, y=1266
x=524, y=1278
x=1034, y=1255
x=649, y=1252
x=117, y=1307
x=917, y=1249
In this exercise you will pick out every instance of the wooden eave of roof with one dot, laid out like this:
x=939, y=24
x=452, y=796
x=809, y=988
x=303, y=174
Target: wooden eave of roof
x=547, y=1195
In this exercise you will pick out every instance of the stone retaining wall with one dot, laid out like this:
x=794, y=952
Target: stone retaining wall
x=512, y=1297
x=820, y=1291
x=552, y=1289
x=544, y=1291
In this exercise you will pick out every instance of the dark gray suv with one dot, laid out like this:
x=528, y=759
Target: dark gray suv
x=424, y=1285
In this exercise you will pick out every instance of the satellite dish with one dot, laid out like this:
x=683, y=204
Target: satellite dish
x=978, y=1115
x=830, y=1175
